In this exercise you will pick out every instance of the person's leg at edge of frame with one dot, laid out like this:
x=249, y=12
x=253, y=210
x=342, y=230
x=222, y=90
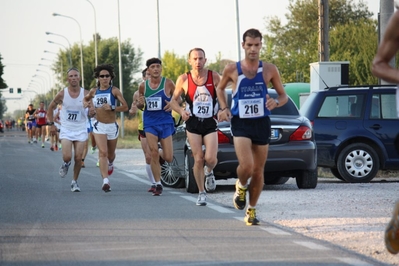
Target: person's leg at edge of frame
x=101, y=140
x=391, y=236
x=211, y=149
x=43, y=131
x=195, y=141
x=152, y=142
x=111, y=144
x=84, y=153
x=66, y=157
x=257, y=182
x=78, y=147
x=147, y=156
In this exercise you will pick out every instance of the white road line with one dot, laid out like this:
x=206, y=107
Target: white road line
x=209, y=205
x=275, y=231
x=311, y=245
x=354, y=262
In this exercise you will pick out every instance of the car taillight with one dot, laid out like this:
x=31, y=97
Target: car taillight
x=302, y=133
x=222, y=138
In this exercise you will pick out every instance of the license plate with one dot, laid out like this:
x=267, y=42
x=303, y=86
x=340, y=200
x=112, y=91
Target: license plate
x=274, y=134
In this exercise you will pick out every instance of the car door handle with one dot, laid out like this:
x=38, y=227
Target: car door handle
x=376, y=126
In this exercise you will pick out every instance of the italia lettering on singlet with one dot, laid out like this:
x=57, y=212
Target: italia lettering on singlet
x=249, y=98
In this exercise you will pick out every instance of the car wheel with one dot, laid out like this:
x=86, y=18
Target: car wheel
x=335, y=173
x=358, y=163
x=191, y=185
x=307, y=179
x=276, y=180
x=170, y=174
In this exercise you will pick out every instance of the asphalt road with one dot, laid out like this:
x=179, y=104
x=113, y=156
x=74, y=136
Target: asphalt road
x=43, y=223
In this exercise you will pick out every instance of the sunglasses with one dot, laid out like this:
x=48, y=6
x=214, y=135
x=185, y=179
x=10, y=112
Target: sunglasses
x=104, y=76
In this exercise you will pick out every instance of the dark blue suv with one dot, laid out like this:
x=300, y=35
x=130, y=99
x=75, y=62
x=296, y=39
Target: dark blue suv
x=356, y=128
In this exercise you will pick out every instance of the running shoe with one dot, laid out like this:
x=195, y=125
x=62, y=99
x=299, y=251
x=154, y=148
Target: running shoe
x=98, y=163
x=250, y=217
x=93, y=149
x=201, y=201
x=56, y=147
x=392, y=232
x=240, y=197
x=210, y=183
x=29, y=142
x=83, y=165
x=60, y=146
x=64, y=169
x=35, y=141
x=39, y=139
x=158, y=190
x=51, y=148
x=42, y=145
x=110, y=169
x=75, y=187
x=47, y=139
x=106, y=187
x=152, y=188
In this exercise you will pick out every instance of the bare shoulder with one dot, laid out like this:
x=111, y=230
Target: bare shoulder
x=269, y=66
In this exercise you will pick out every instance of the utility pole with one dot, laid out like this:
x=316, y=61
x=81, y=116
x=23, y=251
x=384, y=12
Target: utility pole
x=324, y=48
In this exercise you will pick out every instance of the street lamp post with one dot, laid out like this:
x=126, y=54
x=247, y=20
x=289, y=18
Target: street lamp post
x=70, y=49
x=159, y=32
x=81, y=46
x=95, y=33
x=61, y=65
x=70, y=53
x=120, y=71
x=238, y=31
x=48, y=74
x=44, y=82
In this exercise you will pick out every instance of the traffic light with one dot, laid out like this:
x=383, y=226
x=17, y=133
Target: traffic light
x=19, y=90
x=11, y=90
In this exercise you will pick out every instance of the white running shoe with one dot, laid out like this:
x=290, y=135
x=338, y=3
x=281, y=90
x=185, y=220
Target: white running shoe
x=210, y=183
x=75, y=187
x=201, y=201
x=64, y=169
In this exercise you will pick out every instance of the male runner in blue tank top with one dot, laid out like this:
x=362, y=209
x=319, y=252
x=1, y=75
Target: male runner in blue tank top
x=250, y=122
x=157, y=117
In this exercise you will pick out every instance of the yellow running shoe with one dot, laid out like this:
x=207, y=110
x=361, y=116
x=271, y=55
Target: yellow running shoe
x=250, y=217
x=392, y=232
x=240, y=197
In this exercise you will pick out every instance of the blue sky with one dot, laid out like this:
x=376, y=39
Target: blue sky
x=184, y=24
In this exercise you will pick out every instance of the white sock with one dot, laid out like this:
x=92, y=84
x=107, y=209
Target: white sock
x=105, y=180
x=158, y=183
x=149, y=173
x=240, y=185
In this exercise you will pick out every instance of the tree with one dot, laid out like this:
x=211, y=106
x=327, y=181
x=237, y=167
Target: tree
x=294, y=45
x=173, y=65
x=108, y=53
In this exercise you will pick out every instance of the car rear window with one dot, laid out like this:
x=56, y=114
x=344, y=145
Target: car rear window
x=347, y=105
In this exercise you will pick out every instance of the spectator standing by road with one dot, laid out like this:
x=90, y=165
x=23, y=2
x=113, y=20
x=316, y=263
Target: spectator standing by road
x=73, y=132
x=141, y=134
x=250, y=122
x=199, y=87
x=154, y=96
x=105, y=128
x=381, y=68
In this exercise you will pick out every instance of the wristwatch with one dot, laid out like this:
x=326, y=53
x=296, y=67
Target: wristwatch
x=50, y=123
x=277, y=102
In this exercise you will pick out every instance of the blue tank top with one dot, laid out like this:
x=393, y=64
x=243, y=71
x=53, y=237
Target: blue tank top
x=154, y=114
x=103, y=97
x=249, y=98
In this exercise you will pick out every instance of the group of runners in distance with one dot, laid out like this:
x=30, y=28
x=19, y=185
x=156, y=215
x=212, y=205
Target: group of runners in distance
x=205, y=105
